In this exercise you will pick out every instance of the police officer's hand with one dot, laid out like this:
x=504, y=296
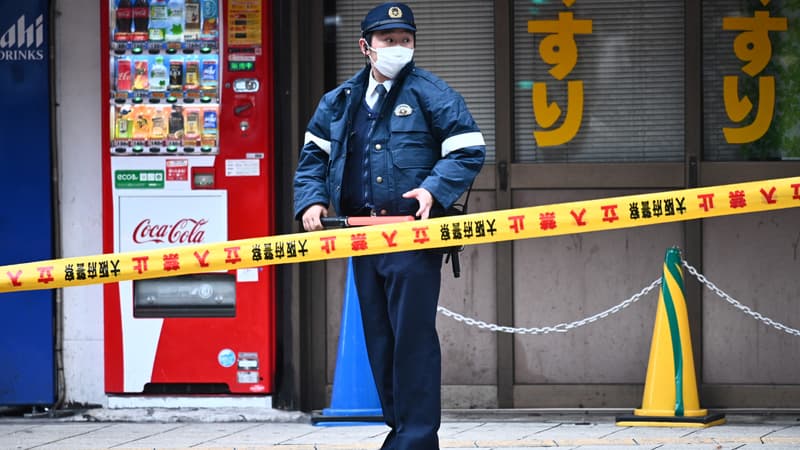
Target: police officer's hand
x=425, y=200
x=311, y=218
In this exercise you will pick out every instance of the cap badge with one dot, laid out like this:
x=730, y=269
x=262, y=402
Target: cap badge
x=395, y=12
x=403, y=110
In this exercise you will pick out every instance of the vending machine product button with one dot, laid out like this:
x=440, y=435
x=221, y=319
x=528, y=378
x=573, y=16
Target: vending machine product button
x=136, y=50
x=172, y=99
x=137, y=100
x=205, y=99
x=172, y=149
x=188, y=149
x=205, y=149
x=120, y=150
x=205, y=49
x=188, y=50
x=155, y=149
x=171, y=51
x=138, y=149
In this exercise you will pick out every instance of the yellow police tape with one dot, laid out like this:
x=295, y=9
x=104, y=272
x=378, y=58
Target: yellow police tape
x=478, y=228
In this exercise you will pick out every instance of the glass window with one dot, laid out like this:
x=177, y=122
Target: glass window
x=751, y=80
x=455, y=41
x=599, y=81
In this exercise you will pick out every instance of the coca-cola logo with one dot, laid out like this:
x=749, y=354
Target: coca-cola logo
x=184, y=231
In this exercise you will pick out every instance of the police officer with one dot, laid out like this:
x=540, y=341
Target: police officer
x=393, y=140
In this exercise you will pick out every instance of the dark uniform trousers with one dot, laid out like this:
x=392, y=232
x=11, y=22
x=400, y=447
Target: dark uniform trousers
x=398, y=294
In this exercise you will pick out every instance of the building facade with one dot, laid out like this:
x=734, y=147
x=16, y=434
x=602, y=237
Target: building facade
x=577, y=100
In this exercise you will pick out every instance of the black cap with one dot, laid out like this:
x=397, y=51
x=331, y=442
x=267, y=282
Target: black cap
x=388, y=16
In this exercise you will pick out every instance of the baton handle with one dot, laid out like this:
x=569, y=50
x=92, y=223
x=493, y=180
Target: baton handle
x=361, y=221
x=333, y=222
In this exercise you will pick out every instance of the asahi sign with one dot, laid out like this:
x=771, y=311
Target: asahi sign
x=23, y=40
x=146, y=221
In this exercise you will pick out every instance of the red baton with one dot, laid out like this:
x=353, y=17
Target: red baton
x=362, y=221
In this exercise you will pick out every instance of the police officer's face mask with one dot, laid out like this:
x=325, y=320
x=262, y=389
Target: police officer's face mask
x=391, y=60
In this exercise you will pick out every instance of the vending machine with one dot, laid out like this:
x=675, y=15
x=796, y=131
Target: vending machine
x=187, y=159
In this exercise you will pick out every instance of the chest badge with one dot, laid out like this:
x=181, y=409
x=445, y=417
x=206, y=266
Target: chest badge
x=403, y=110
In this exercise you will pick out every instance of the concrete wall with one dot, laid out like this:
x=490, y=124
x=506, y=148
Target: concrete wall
x=77, y=90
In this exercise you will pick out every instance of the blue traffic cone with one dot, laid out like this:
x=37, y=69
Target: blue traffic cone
x=354, y=399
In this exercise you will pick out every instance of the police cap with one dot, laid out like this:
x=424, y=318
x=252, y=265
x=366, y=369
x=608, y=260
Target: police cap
x=388, y=16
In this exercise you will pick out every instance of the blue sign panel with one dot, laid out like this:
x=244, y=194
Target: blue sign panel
x=27, y=368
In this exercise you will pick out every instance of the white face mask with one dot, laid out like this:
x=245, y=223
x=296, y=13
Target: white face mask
x=391, y=59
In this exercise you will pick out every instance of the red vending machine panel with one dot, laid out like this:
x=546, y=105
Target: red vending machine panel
x=187, y=159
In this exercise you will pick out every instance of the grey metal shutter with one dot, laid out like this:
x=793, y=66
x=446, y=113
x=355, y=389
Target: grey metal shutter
x=455, y=41
x=632, y=67
x=782, y=139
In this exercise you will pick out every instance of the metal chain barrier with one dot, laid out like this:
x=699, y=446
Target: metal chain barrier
x=564, y=327
x=754, y=314
x=560, y=328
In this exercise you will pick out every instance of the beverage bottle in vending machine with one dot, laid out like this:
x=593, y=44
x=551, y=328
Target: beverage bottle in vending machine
x=124, y=18
x=123, y=125
x=141, y=18
x=159, y=127
x=192, y=13
x=209, y=134
x=175, y=74
x=209, y=74
x=175, y=21
x=159, y=77
x=158, y=20
x=141, y=81
x=142, y=124
x=191, y=79
x=191, y=126
x=175, y=131
x=210, y=11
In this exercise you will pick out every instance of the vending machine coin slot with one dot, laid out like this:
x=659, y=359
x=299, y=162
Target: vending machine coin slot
x=202, y=178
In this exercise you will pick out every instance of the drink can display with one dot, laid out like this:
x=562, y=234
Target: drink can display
x=124, y=75
x=141, y=76
x=210, y=125
x=191, y=126
x=176, y=74
x=175, y=130
x=210, y=10
x=159, y=125
x=142, y=124
x=123, y=126
x=208, y=77
x=192, y=75
x=192, y=15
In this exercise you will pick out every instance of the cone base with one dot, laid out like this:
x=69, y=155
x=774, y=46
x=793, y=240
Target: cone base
x=706, y=421
x=334, y=417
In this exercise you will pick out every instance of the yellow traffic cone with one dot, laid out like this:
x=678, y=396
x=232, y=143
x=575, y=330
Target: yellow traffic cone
x=670, y=390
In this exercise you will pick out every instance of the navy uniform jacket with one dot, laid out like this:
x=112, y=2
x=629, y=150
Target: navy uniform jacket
x=424, y=137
